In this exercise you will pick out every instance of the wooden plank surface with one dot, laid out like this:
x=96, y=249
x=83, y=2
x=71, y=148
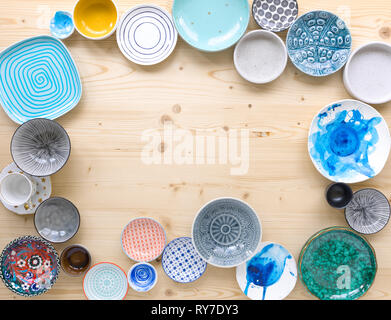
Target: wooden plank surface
x=110, y=185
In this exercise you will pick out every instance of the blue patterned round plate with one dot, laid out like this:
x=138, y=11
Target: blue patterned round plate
x=39, y=79
x=270, y=275
x=29, y=266
x=319, y=43
x=105, y=281
x=349, y=141
x=211, y=25
x=226, y=232
x=142, y=277
x=146, y=34
x=181, y=262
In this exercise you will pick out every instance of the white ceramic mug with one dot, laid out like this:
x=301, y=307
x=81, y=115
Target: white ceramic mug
x=16, y=189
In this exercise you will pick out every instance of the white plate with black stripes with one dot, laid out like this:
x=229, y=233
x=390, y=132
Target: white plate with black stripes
x=146, y=34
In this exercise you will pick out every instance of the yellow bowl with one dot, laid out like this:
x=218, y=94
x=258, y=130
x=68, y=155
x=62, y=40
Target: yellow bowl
x=95, y=19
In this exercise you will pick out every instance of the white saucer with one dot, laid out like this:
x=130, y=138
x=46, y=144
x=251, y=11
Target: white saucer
x=43, y=192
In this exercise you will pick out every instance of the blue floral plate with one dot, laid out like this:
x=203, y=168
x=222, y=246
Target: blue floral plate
x=226, y=232
x=29, y=266
x=211, y=25
x=319, y=43
x=349, y=141
x=39, y=79
x=181, y=262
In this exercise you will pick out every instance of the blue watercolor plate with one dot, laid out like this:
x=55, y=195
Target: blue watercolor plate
x=61, y=25
x=319, y=43
x=211, y=25
x=142, y=277
x=39, y=79
x=349, y=141
x=271, y=274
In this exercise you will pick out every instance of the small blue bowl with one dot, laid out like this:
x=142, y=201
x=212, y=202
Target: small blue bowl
x=226, y=232
x=319, y=43
x=61, y=25
x=211, y=25
x=142, y=277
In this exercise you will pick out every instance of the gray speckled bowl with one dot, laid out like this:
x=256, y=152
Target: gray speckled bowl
x=57, y=220
x=40, y=147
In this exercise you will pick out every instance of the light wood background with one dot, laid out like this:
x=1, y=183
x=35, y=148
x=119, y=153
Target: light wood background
x=110, y=185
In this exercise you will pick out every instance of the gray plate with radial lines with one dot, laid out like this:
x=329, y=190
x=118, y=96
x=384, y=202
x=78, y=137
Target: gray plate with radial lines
x=226, y=232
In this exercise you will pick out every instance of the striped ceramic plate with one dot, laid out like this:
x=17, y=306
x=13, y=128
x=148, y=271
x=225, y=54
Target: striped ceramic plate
x=146, y=34
x=39, y=79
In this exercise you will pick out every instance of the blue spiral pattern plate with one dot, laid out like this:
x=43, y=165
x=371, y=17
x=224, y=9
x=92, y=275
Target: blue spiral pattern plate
x=105, y=281
x=39, y=79
x=142, y=277
x=181, y=262
x=319, y=43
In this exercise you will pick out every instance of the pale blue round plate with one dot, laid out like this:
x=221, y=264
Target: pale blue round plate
x=211, y=25
x=105, y=281
x=39, y=79
x=319, y=43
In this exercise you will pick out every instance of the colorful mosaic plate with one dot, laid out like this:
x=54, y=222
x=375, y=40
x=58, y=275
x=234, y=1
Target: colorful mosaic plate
x=39, y=79
x=270, y=275
x=319, y=43
x=143, y=239
x=337, y=264
x=29, y=266
x=349, y=141
x=105, y=281
x=181, y=262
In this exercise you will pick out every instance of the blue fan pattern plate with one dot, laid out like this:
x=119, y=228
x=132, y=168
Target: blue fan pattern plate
x=319, y=43
x=181, y=262
x=39, y=79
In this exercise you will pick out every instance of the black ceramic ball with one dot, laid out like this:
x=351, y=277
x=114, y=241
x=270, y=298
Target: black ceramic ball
x=339, y=195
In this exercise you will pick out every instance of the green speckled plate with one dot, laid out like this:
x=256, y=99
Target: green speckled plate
x=337, y=264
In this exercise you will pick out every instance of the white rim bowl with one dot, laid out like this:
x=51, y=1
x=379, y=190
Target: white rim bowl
x=365, y=68
x=250, y=59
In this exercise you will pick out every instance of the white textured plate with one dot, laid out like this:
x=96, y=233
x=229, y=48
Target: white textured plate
x=44, y=190
x=146, y=34
x=349, y=141
x=271, y=274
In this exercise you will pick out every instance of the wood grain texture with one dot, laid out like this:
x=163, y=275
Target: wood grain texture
x=110, y=185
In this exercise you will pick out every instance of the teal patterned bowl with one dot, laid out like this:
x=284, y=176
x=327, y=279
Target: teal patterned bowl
x=211, y=25
x=337, y=264
x=226, y=232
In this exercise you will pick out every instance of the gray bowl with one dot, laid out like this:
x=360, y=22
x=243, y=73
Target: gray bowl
x=57, y=220
x=40, y=147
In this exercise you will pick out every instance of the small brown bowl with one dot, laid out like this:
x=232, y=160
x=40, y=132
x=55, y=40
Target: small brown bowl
x=75, y=260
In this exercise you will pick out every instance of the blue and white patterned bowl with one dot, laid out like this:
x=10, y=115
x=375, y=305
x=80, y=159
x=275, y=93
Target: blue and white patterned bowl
x=146, y=34
x=40, y=147
x=105, y=281
x=181, y=262
x=349, y=141
x=226, y=232
x=39, y=79
x=142, y=277
x=319, y=43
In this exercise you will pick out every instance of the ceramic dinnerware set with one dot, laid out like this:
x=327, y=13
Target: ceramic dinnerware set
x=348, y=142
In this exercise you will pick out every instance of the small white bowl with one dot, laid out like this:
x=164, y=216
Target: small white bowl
x=367, y=73
x=260, y=56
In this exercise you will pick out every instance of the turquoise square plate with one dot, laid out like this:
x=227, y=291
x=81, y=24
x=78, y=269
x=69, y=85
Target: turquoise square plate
x=211, y=25
x=39, y=79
